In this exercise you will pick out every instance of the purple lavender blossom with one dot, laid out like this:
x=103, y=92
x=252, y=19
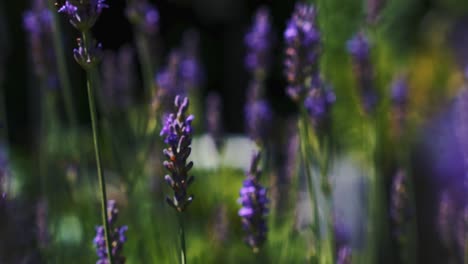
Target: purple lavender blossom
x=83, y=14
x=87, y=57
x=445, y=215
x=254, y=201
x=318, y=103
x=359, y=49
x=117, y=237
x=302, y=39
x=144, y=15
x=399, y=98
x=258, y=119
x=258, y=42
x=373, y=10
x=177, y=132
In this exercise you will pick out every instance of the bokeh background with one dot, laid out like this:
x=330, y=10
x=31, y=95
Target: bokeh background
x=425, y=39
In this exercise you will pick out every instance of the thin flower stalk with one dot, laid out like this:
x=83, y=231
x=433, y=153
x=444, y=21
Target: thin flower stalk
x=83, y=16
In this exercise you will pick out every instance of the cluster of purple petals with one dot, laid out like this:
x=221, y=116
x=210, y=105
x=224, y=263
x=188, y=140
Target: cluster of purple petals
x=83, y=14
x=258, y=42
x=259, y=119
x=144, y=15
x=177, y=132
x=302, y=40
x=254, y=201
x=359, y=49
x=117, y=237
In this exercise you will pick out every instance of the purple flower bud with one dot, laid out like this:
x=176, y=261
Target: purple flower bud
x=302, y=51
x=359, y=49
x=318, y=103
x=177, y=132
x=144, y=16
x=87, y=57
x=254, y=201
x=117, y=237
x=258, y=42
x=344, y=255
x=83, y=14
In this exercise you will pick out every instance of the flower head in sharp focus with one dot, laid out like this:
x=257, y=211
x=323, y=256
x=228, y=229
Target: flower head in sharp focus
x=302, y=40
x=144, y=15
x=177, y=132
x=83, y=13
x=258, y=42
x=254, y=201
x=117, y=237
x=359, y=49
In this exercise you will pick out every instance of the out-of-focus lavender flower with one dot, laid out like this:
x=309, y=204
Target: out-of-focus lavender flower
x=399, y=98
x=118, y=79
x=117, y=237
x=83, y=14
x=318, y=103
x=213, y=117
x=254, y=201
x=37, y=22
x=258, y=42
x=373, y=10
x=359, y=49
x=445, y=217
x=400, y=210
x=87, y=57
x=462, y=232
x=344, y=255
x=4, y=173
x=302, y=40
x=144, y=15
x=258, y=119
x=190, y=70
x=41, y=223
x=221, y=225
x=168, y=83
x=177, y=132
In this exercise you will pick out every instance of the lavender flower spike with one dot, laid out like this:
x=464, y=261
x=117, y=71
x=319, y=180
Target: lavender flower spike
x=258, y=42
x=177, y=132
x=254, y=201
x=83, y=14
x=117, y=237
x=359, y=49
x=302, y=39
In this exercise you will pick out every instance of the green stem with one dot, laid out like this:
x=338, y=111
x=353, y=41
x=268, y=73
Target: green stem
x=63, y=76
x=91, y=74
x=183, y=250
x=310, y=185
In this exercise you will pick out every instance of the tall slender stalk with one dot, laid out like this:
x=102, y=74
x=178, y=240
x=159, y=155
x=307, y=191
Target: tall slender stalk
x=91, y=74
x=183, y=250
x=304, y=139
